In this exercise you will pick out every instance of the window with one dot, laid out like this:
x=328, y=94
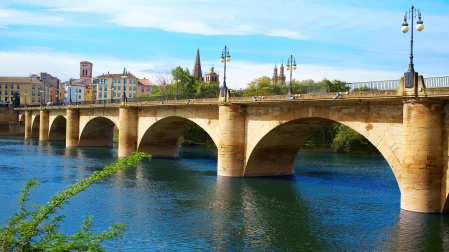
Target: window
x=33, y=92
x=32, y=99
x=143, y=89
x=101, y=88
x=105, y=95
x=39, y=87
x=79, y=97
x=38, y=93
x=38, y=99
x=18, y=92
x=12, y=86
x=6, y=98
x=80, y=91
x=115, y=80
x=100, y=94
x=134, y=81
x=119, y=87
x=134, y=88
x=148, y=89
x=105, y=88
x=6, y=86
x=0, y=93
x=134, y=95
x=34, y=86
x=119, y=80
x=12, y=92
x=118, y=94
x=115, y=94
x=0, y=85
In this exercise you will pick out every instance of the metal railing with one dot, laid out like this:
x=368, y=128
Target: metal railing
x=374, y=85
x=436, y=82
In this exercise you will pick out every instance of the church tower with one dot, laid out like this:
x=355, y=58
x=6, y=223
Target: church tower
x=212, y=77
x=281, y=78
x=274, y=79
x=197, y=67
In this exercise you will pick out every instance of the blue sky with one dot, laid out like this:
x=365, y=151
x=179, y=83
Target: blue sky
x=345, y=40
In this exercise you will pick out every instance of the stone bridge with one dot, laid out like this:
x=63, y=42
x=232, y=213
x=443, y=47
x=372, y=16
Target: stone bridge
x=260, y=136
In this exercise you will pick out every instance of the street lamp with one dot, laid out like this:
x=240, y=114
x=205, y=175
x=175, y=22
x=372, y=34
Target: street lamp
x=76, y=98
x=293, y=61
x=224, y=53
x=70, y=92
x=57, y=101
x=42, y=100
x=409, y=76
x=112, y=94
x=177, y=80
x=124, y=99
x=13, y=101
x=26, y=98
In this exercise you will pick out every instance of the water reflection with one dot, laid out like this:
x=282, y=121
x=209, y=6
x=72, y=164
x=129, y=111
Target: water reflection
x=419, y=232
x=334, y=202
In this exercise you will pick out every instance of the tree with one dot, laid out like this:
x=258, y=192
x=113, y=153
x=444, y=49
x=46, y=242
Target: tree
x=347, y=139
x=259, y=83
x=36, y=229
x=16, y=99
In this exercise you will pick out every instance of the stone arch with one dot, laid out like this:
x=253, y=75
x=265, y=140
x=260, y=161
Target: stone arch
x=35, y=125
x=98, y=132
x=22, y=118
x=284, y=139
x=58, y=129
x=161, y=139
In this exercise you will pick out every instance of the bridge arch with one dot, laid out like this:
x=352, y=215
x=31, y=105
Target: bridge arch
x=97, y=132
x=161, y=139
x=35, y=125
x=276, y=144
x=58, y=128
x=22, y=117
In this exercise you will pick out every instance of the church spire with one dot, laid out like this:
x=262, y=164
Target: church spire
x=197, y=67
x=281, y=78
x=274, y=79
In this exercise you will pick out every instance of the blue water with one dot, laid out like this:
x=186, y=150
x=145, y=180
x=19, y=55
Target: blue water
x=335, y=202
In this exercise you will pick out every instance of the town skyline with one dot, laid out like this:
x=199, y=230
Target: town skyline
x=348, y=41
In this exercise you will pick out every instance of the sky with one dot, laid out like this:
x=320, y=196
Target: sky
x=352, y=41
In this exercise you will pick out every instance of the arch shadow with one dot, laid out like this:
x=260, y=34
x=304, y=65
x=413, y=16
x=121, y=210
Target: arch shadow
x=161, y=139
x=35, y=126
x=58, y=128
x=98, y=132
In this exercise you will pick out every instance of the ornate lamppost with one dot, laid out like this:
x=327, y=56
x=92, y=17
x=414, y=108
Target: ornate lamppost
x=224, y=54
x=70, y=93
x=57, y=100
x=42, y=100
x=177, y=80
x=26, y=98
x=293, y=61
x=409, y=76
x=76, y=98
x=124, y=99
x=112, y=93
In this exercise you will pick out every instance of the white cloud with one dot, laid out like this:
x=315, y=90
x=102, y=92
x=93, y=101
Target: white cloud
x=238, y=74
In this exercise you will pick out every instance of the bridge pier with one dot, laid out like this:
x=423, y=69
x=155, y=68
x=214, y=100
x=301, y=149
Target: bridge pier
x=73, y=127
x=28, y=118
x=231, y=145
x=422, y=155
x=43, y=125
x=127, y=137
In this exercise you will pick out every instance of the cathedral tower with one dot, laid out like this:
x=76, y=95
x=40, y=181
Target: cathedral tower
x=197, y=67
x=281, y=78
x=274, y=79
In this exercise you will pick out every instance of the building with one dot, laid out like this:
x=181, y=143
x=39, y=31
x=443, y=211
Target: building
x=74, y=93
x=212, y=77
x=29, y=89
x=112, y=85
x=278, y=79
x=86, y=71
x=197, y=67
x=144, y=86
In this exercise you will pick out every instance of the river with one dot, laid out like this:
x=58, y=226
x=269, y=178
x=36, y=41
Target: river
x=335, y=202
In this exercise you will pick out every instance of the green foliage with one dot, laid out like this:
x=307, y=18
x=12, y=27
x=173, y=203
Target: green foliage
x=346, y=138
x=259, y=83
x=36, y=229
x=194, y=135
x=143, y=95
x=16, y=100
x=365, y=88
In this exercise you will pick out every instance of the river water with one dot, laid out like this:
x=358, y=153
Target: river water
x=335, y=202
